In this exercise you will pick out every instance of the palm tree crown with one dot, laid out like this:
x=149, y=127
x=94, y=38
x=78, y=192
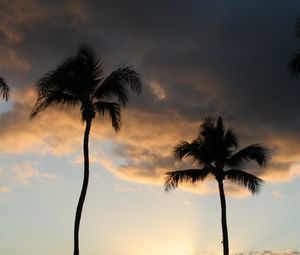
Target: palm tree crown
x=4, y=89
x=79, y=81
x=214, y=150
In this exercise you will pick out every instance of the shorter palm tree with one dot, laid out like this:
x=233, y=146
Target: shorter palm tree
x=214, y=151
x=4, y=89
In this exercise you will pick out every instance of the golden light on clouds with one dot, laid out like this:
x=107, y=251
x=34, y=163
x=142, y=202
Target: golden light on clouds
x=4, y=189
x=158, y=90
x=141, y=152
x=16, y=13
x=26, y=171
x=10, y=60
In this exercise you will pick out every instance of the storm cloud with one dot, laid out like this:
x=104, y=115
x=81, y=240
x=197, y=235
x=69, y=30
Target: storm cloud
x=196, y=58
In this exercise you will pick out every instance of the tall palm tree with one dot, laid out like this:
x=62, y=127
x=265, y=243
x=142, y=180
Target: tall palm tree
x=214, y=150
x=294, y=63
x=79, y=81
x=4, y=89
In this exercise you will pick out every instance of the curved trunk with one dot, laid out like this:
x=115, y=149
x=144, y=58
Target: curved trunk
x=84, y=186
x=223, y=219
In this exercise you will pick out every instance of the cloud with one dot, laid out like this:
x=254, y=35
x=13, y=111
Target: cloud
x=10, y=60
x=25, y=172
x=53, y=131
x=277, y=194
x=19, y=16
x=25, y=24
x=4, y=189
x=79, y=11
x=158, y=91
x=15, y=13
x=142, y=155
x=195, y=59
x=141, y=152
x=122, y=188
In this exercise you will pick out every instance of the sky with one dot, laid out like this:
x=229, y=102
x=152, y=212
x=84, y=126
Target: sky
x=196, y=58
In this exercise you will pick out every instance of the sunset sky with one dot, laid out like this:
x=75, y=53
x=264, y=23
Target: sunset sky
x=196, y=58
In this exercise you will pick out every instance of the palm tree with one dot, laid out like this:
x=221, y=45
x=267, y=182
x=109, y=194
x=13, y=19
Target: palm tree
x=4, y=89
x=294, y=63
x=79, y=81
x=214, y=151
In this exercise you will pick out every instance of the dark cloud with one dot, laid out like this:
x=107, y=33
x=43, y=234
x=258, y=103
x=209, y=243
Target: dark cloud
x=196, y=58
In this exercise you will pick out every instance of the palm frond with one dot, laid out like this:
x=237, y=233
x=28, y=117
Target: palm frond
x=230, y=139
x=183, y=149
x=194, y=150
x=91, y=66
x=77, y=75
x=230, y=143
x=117, y=82
x=244, y=179
x=207, y=126
x=52, y=98
x=113, y=110
x=173, y=179
x=255, y=152
x=4, y=89
x=294, y=65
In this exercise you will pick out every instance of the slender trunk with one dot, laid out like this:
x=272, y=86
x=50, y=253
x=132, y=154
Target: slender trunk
x=223, y=219
x=84, y=186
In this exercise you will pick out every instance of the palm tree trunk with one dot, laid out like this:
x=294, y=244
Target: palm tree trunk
x=84, y=186
x=223, y=219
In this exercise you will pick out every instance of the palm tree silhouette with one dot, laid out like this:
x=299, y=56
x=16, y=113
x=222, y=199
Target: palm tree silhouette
x=4, y=89
x=294, y=63
x=214, y=151
x=79, y=81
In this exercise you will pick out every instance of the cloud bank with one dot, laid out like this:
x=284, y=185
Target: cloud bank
x=196, y=59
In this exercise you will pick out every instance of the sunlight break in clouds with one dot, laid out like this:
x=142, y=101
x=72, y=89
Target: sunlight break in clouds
x=158, y=91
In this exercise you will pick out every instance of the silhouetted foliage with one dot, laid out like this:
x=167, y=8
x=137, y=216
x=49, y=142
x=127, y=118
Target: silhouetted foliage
x=294, y=63
x=4, y=89
x=79, y=81
x=214, y=152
